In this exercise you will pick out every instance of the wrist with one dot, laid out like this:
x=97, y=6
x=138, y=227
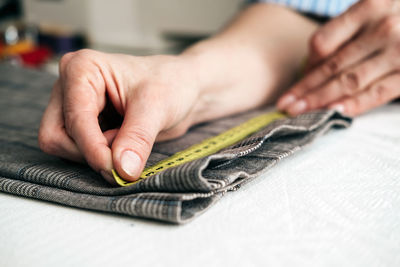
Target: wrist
x=232, y=76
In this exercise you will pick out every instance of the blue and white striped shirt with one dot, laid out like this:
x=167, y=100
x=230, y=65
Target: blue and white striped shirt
x=328, y=8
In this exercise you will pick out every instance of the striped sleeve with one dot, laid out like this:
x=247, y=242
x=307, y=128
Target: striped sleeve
x=326, y=8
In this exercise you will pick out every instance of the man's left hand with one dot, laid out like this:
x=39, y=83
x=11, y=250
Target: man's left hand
x=354, y=62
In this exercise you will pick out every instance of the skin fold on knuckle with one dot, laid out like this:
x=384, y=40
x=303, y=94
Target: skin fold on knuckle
x=80, y=67
x=349, y=82
x=75, y=63
x=137, y=139
x=65, y=59
x=329, y=69
x=87, y=54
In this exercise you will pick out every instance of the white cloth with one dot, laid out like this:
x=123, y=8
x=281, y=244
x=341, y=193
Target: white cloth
x=335, y=203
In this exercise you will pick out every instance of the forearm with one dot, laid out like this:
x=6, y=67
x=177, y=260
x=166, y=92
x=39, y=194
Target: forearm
x=252, y=59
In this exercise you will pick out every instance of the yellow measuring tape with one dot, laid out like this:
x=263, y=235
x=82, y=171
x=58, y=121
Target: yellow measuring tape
x=208, y=146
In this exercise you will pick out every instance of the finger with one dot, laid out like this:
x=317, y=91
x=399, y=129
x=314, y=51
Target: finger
x=379, y=93
x=135, y=139
x=361, y=48
x=82, y=105
x=346, y=84
x=329, y=38
x=52, y=136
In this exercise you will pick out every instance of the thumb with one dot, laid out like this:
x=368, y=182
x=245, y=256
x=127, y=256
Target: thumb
x=135, y=139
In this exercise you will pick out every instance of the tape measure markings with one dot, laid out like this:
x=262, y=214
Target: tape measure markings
x=207, y=147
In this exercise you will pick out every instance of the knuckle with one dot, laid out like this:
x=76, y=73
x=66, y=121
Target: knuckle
x=331, y=67
x=86, y=53
x=65, y=59
x=141, y=138
x=350, y=82
x=317, y=44
x=78, y=63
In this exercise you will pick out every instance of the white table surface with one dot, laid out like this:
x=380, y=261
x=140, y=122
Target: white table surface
x=335, y=203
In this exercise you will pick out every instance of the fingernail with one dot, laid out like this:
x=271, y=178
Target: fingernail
x=339, y=108
x=298, y=107
x=286, y=101
x=130, y=163
x=108, y=177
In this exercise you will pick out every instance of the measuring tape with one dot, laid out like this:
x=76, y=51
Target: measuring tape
x=207, y=147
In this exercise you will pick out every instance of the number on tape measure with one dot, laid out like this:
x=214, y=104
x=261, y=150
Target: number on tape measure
x=207, y=147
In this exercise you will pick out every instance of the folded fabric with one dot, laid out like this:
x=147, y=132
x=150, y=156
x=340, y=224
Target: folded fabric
x=175, y=195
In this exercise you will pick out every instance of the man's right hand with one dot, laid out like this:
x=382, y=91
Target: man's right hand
x=156, y=96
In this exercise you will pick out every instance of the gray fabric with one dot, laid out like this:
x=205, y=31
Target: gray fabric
x=175, y=195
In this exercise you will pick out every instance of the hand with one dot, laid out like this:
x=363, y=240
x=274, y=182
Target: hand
x=156, y=97
x=354, y=62
x=109, y=109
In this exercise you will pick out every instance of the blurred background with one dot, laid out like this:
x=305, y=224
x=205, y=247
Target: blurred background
x=36, y=33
